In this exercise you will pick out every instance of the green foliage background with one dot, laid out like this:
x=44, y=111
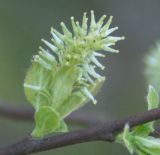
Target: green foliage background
x=24, y=22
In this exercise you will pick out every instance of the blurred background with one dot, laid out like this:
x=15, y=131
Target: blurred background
x=24, y=22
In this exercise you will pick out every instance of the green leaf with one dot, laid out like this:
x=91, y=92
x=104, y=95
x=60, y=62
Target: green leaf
x=144, y=129
x=62, y=128
x=63, y=84
x=152, y=98
x=47, y=120
x=35, y=83
x=127, y=139
x=149, y=145
x=73, y=102
x=77, y=99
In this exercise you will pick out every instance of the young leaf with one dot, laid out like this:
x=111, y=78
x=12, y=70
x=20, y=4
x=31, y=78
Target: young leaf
x=63, y=84
x=127, y=138
x=62, y=128
x=47, y=120
x=149, y=145
x=152, y=98
x=35, y=82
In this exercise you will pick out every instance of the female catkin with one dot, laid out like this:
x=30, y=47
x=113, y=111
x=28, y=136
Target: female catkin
x=63, y=75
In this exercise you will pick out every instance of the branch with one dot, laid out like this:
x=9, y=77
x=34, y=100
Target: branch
x=106, y=132
x=26, y=114
x=18, y=113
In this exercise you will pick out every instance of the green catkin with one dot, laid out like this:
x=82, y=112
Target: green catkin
x=63, y=76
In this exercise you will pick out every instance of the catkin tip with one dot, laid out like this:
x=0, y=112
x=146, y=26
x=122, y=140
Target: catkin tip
x=104, y=16
x=72, y=18
x=52, y=29
x=95, y=102
x=85, y=13
x=116, y=28
x=92, y=11
x=123, y=37
x=42, y=40
x=116, y=51
x=61, y=23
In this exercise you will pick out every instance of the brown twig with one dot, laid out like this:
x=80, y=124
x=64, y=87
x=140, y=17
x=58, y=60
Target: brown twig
x=26, y=114
x=18, y=113
x=106, y=132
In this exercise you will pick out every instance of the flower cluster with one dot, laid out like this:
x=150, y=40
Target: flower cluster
x=63, y=76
